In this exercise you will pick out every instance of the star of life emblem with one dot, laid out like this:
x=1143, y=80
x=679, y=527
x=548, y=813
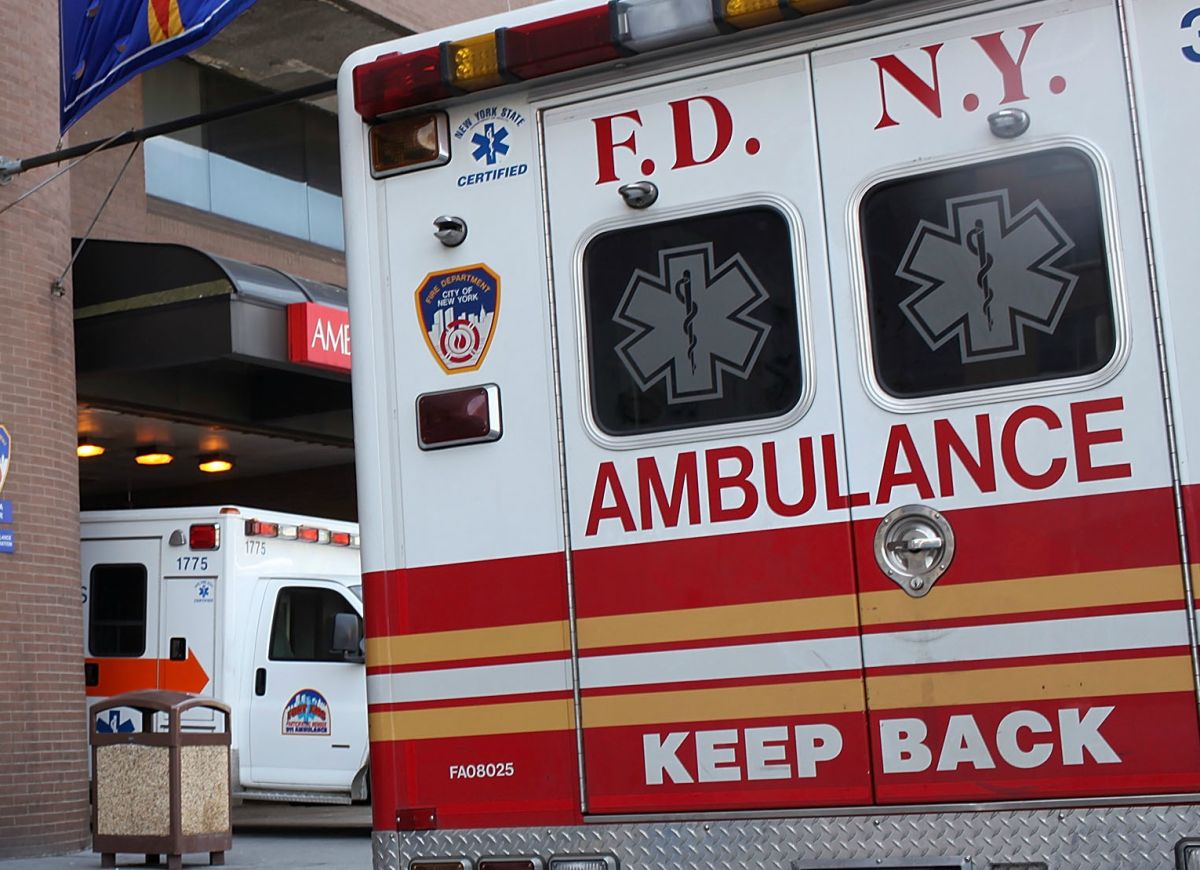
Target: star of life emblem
x=490, y=144
x=691, y=323
x=987, y=276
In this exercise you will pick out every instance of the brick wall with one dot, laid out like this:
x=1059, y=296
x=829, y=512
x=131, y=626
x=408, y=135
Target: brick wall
x=43, y=761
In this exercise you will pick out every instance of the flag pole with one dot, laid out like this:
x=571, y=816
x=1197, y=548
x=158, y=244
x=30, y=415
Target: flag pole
x=11, y=167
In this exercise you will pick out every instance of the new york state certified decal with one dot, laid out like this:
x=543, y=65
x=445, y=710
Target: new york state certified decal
x=457, y=309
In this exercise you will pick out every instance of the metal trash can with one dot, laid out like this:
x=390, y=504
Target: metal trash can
x=157, y=789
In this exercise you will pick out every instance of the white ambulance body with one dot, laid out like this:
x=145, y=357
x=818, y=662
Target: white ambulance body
x=776, y=433
x=236, y=604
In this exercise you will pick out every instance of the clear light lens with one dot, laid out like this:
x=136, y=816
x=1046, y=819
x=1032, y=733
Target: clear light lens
x=288, y=533
x=474, y=63
x=582, y=862
x=647, y=24
x=751, y=13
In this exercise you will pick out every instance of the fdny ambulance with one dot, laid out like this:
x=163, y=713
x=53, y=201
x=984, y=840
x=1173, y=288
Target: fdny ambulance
x=774, y=427
x=258, y=609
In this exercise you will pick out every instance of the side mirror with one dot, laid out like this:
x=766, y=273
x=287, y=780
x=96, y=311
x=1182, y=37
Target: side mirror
x=347, y=636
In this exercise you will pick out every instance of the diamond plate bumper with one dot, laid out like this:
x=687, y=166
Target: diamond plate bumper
x=1107, y=838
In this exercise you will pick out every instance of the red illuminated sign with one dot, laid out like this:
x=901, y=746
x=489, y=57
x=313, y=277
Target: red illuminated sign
x=319, y=336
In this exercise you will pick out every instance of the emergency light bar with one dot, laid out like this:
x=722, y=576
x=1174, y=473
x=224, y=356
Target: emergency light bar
x=579, y=39
x=307, y=534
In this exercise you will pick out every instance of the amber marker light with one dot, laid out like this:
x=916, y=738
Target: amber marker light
x=473, y=64
x=87, y=448
x=152, y=455
x=215, y=463
x=409, y=143
x=750, y=13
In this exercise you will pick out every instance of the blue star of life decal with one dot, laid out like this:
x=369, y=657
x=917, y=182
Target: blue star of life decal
x=691, y=323
x=987, y=276
x=490, y=144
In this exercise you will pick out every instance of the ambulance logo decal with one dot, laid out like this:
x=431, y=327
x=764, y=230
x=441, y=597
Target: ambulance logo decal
x=457, y=310
x=986, y=276
x=307, y=712
x=691, y=323
x=492, y=136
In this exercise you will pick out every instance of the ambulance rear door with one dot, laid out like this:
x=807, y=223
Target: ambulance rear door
x=716, y=620
x=1022, y=604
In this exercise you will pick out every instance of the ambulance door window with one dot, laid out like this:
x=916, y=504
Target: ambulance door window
x=302, y=626
x=117, y=610
x=987, y=275
x=692, y=322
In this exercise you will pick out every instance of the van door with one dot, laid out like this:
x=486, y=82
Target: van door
x=120, y=595
x=188, y=636
x=308, y=711
x=719, y=659
x=1024, y=618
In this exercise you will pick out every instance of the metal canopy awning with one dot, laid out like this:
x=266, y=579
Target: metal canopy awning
x=190, y=343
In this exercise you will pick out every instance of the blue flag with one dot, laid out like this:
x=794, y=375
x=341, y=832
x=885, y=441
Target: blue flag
x=105, y=43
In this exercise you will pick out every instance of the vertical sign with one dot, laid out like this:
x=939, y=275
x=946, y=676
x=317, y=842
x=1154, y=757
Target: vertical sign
x=6, y=512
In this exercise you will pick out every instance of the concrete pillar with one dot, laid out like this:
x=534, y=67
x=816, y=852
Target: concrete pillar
x=43, y=738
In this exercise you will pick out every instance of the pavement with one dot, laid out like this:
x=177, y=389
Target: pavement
x=264, y=835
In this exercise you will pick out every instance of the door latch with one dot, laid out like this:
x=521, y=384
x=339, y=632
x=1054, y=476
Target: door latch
x=914, y=545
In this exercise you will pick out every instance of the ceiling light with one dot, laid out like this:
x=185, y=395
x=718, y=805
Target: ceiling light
x=151, y=455
x=215, y=463
x=87, y=448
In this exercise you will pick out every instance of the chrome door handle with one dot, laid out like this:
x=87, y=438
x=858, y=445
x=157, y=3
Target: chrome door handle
x=916, y=545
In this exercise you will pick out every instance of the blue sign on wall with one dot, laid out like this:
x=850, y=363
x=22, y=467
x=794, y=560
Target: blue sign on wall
x=6, y=540
x=5, y=510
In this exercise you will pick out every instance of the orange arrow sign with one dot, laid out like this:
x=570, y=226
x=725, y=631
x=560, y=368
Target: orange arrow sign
x=117, y=676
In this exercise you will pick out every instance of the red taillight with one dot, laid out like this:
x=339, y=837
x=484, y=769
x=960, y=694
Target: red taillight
x=458, y=417
x=397, y=81
x=557, y=44
x=259, y=529
x=308, y=533
x=204, y=537
x=509, y=864
x=339, y=539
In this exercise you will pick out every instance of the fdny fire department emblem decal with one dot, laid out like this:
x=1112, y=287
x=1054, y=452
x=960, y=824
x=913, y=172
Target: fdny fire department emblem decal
x=458, y=310
x=986, y=276
x=691, y=323
x=307, y=712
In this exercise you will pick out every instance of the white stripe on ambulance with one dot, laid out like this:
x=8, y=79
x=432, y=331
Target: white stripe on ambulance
x=779, y=752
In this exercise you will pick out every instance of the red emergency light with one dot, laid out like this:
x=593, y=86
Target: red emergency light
x=558, y=44
x=586, y=37
x=259, y=529
x=455, y=417
x=204, y=536
x=394, y=81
